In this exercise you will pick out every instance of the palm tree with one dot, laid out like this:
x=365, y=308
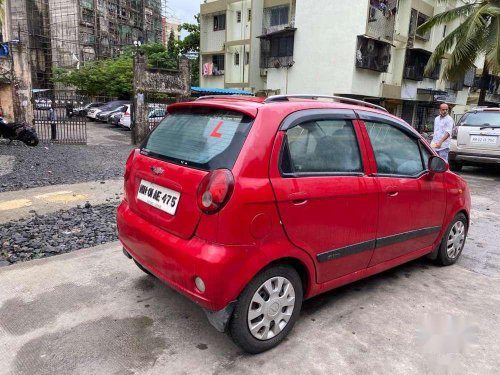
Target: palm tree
x=478, y=34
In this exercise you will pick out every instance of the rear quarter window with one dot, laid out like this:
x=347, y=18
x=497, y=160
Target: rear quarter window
x=203, y=138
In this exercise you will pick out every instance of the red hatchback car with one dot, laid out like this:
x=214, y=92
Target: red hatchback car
x=248, y=206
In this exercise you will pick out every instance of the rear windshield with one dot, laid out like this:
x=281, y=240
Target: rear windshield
x=204, y=138
x=481, y=119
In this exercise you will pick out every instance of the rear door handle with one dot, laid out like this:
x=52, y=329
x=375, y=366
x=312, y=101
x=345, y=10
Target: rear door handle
x=298, y=198
x=391, y=191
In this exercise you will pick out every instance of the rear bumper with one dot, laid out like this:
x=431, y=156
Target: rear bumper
x=473, y=158
x=177, y=262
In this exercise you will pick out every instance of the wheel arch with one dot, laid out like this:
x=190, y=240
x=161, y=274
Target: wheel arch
x=299, y=266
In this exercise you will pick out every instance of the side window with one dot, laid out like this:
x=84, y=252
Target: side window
x=425, y=155
x=321, y=147
x=395, y=152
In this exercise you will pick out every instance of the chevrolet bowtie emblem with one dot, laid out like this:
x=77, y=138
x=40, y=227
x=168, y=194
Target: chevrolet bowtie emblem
x=157, y=170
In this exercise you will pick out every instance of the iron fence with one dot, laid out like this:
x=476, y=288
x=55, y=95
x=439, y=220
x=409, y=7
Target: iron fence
x=58, y=117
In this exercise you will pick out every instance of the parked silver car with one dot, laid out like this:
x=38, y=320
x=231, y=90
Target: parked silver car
x=476, y=139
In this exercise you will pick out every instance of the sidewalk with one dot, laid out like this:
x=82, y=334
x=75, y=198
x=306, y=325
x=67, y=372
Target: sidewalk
x=18, y=204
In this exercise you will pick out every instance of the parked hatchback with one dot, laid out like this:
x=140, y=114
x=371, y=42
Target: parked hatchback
x=249, y=206
x=476, y=139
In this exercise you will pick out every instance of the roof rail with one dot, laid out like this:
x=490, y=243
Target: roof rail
x=284, y=98
x=236, y=96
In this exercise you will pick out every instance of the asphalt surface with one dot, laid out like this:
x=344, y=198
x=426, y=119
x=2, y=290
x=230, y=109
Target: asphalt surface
x=104, y=157
x=94, y=312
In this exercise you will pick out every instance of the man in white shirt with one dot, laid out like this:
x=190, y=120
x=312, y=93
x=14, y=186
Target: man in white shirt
x=443, y=125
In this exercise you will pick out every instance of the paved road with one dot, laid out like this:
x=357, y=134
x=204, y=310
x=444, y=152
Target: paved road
x=94, y=312
x=482, y=253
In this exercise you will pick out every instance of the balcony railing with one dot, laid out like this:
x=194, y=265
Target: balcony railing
x=382, y=19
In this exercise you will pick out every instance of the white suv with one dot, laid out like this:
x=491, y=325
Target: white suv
x=476, y=139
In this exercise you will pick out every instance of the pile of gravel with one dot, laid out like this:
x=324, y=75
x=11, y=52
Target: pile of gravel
x=42, y=236
x=61, y=164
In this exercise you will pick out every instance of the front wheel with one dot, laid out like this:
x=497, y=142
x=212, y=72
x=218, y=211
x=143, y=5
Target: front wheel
x=453, y=241
x=267, y=309
x=454, y=166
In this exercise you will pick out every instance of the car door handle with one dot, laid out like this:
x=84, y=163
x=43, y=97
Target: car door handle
x=391, y=191
x=298, y=198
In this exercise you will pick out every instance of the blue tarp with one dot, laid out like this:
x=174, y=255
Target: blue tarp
x=216, y=91
x=4, y=50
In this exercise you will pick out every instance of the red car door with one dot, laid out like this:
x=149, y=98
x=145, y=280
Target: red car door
x=328, y=205
x=412, y=201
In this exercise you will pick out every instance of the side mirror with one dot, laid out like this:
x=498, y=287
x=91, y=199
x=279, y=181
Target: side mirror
x=437, y=165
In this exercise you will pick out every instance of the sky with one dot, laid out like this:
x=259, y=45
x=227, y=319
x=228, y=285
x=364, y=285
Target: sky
x=184, y=9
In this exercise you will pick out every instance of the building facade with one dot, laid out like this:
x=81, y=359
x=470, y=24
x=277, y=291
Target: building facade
x=68, y=33
x=363, y=49
x=169, y=25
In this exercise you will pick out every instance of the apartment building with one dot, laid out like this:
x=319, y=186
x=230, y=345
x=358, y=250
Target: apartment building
x=68, y=33
x=170, y=24
x=365, y=49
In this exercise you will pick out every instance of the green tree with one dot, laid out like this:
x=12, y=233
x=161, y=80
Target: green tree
x=477, y=35
x=172, y=46
x=113, y=77
x=190, y=44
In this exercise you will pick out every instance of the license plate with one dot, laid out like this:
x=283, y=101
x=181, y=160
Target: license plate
x=483, y=139
x=158, y=196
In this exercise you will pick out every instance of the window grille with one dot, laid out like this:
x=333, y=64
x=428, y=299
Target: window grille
x=372, y=54
x=218, y=61
x=219, y=22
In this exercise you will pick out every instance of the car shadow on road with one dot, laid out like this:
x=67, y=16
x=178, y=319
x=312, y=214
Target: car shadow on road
x=368, y=285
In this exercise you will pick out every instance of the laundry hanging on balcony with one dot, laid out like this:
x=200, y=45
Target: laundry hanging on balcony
x=208, y=69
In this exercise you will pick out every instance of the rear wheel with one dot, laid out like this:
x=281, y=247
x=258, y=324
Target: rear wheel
x=267, y=309
x=454, y=166
x=453, y=241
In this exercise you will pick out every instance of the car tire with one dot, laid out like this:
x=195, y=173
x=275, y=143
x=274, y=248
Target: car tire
x=453, y=241
x=142, y=268
x=454, y=166
x=276, y=287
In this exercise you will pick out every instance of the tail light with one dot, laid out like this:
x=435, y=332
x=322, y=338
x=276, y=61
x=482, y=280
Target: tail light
x=454, y=132
x=215, y=190
x=126, y=114
x=128, y=168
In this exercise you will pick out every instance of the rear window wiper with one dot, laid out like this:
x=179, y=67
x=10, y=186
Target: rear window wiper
x=487, y=126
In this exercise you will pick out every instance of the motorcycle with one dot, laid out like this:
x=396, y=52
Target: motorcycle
x=18, y=132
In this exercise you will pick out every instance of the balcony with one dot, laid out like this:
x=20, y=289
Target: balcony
x=372, y=54
x=276, y=49
x=382, y=19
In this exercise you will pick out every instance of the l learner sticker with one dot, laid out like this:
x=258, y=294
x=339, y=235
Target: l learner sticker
x=163, y=198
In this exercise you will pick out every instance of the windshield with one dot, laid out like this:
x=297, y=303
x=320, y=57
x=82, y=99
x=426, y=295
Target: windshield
x=491, y=119
x=201, y=137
